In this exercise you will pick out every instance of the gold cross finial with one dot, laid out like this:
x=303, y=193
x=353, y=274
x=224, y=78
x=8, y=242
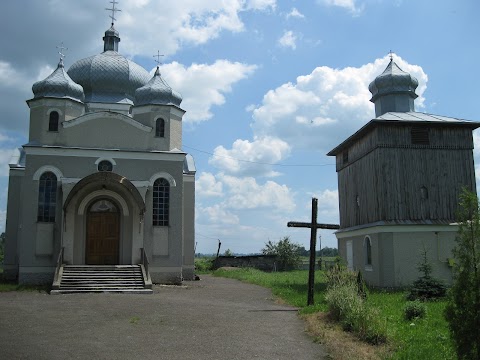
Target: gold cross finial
x=113, y=10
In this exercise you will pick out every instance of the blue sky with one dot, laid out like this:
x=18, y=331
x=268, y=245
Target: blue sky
x=264, y=82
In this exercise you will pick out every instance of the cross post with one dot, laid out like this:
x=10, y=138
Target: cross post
x=313, y=225
x=113, y=10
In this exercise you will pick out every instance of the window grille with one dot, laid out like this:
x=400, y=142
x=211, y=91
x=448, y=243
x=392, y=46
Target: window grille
x=53, y=121
x=160, y=128
x=47, y=197
x=420, y=136
x=161, y=202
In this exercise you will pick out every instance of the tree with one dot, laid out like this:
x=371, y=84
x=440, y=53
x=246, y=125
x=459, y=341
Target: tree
x=228, y=252
x=463, y=309
x=286, y=251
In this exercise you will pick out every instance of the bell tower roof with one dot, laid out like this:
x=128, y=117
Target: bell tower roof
x=393, y=90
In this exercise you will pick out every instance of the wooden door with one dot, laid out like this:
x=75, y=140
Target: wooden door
x=103, y=234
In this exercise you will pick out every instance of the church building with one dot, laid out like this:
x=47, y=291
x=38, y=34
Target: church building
x=399, y=181
x=102, y=179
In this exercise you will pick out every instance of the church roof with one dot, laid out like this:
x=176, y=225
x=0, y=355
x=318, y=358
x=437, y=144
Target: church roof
x=58, y=85
x=157, y=92
x=402, y=119
x=108, y=77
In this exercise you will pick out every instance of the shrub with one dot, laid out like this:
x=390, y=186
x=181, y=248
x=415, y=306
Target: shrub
x=426, y=287
x=347, y=306
x=414, y=310
x=463, y=308
x=203, y=265
x=286, y=251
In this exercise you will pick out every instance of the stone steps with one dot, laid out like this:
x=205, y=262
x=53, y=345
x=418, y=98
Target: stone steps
x=101, y=278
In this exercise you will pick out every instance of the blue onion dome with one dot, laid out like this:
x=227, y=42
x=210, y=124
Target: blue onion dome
x=157, y=92
x=109, y=77
x=58, y=85
x=393, y=80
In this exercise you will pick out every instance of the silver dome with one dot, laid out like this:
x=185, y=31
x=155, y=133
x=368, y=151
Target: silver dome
x=108, y=77
x=157, y=92
x=58, y=85
x=393, y=80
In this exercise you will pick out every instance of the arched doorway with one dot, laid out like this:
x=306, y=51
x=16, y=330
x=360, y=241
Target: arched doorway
x=103, y=233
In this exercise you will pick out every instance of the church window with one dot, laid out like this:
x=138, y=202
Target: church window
x=160, y=128
x=367, y=244
x=420, y=136
x=161, y=201
x=105, y=165
x=53, y=121
x=47, y=197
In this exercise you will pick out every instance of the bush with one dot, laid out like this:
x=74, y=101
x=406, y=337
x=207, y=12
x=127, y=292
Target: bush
x=203, y=265
x=426, y=287
x=287, y=252
x=350, y=308
x=414, y=310
x=463, y=309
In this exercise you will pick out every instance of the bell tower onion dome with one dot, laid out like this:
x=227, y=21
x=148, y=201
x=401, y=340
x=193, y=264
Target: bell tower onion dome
x=58, y=85
x=393, y=90
x=157, y=92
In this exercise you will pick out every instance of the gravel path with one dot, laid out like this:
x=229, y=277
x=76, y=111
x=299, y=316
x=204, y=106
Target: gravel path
x=214, y=318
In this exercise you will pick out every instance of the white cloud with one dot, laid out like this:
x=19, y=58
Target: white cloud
x=251, y=158
x=261, y=4
x=350, y=5
x=203, y=86
x=327, y=205
x=246, y=193
x=207, y=186
x=218, y=214
x=5, y=157
x=288, y=40
x=327, y=105
x=187, y=21
x=294, y=13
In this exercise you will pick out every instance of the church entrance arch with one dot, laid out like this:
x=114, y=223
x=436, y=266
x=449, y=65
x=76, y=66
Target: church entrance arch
x=103, y=233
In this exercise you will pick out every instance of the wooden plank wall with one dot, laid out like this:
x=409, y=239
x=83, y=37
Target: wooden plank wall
x=386, y=173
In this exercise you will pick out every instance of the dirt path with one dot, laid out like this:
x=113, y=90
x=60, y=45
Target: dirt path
x=214, y=318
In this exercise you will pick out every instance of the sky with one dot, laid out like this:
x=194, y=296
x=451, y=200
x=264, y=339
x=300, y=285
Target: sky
x=269, y=87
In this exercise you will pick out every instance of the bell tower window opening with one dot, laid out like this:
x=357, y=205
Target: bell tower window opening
x=161, y=202
x=160, y=128
x=105, y=165
x=47, y=197
x=53, y=121
x=420, y=136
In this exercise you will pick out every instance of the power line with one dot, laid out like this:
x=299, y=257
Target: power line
x=257, y=162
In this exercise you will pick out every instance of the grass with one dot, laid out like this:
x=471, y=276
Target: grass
x=426, y=338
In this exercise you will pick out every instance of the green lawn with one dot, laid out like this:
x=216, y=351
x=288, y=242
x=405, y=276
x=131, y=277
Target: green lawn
x=419, y=339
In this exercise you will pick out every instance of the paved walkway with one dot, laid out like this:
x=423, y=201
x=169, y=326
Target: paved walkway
x=214, y=318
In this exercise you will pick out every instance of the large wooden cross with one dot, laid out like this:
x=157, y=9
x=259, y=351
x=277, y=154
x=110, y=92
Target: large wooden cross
x=313, y=225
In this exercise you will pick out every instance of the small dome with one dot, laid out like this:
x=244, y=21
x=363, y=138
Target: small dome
x=393, y=80
x=108, y=77
x=58, y=85
x=157, y=92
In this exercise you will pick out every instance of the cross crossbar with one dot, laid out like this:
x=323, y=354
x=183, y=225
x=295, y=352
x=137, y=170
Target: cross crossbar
x=298, y=224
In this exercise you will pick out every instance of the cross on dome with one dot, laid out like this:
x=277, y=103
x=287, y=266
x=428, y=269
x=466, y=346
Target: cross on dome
x=113, y=10
x=60, y=51
x=391, y=55
x=158, y=58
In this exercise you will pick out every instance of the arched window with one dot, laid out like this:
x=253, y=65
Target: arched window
x=53, y=121
x=160, y=128
x=161, y=201
x=47, y=197
x=367, y=244
x=105, y=165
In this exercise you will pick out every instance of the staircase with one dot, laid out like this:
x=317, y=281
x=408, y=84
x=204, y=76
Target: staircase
x=102, y=278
